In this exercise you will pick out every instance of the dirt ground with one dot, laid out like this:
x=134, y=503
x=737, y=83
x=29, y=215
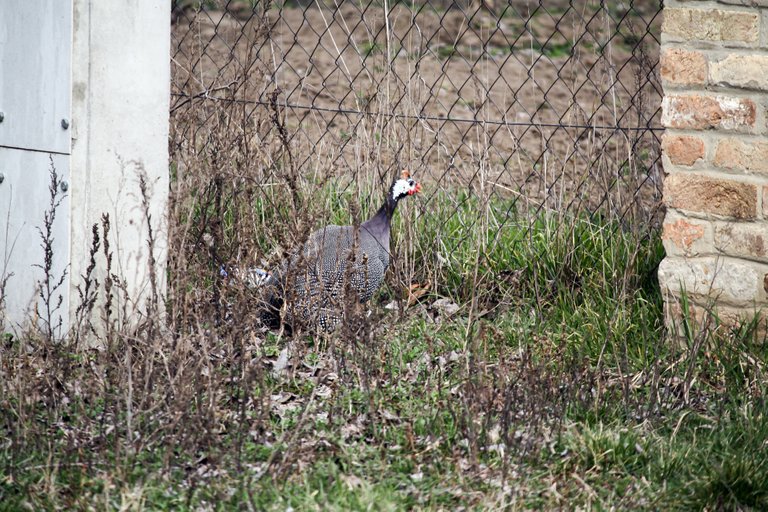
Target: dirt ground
x=511, y=99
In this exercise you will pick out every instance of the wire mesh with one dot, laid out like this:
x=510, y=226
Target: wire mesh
x=532, y=107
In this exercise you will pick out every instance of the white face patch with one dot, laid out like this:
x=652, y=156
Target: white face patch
x=401, y=187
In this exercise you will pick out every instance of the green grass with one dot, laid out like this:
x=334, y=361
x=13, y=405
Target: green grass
x=554, y=49
x=446, y=52
x=368, y=48
x=707, y=465
x=558, y=390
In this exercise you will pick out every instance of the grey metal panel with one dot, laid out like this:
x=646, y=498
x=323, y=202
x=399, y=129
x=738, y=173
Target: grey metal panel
x=24, y=199
x=35, y=74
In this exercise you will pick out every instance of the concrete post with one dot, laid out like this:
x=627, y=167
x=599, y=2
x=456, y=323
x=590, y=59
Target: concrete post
x=120, y=109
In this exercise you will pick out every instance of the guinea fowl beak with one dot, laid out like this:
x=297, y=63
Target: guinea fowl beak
x=415, y=190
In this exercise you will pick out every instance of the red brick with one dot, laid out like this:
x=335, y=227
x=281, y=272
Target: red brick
x=682, y=149
x=697, y=193
x=683, y=67
x=682, y=233
x=695, y=112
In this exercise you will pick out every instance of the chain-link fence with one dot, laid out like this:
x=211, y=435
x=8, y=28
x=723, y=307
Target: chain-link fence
x=530, y=106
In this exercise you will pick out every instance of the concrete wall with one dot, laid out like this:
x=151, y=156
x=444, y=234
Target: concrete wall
x=120, y=105
x=117, y=129
x=714, y=69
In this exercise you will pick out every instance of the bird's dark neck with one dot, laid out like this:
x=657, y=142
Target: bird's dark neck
x=384, y=215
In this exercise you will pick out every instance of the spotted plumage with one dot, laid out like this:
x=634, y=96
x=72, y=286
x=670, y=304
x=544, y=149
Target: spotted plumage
x=335, y=260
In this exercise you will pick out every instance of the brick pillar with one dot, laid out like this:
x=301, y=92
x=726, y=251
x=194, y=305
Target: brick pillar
x=714, y=69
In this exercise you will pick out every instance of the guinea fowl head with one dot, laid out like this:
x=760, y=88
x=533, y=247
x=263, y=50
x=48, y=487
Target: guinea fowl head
x=378, y=225
x=404, y=186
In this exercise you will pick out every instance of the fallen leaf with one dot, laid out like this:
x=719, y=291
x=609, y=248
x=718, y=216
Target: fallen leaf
x=391, y=306
x=281, y=363
x=494, y=433
x=350, y=429
x=446, y=306
x=416, y=291
x=389, y=416
x=323, y=391
x=281, y=398
x=352, y=481
x=498, y=448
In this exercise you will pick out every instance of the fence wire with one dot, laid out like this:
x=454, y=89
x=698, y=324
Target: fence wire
x=532, y=106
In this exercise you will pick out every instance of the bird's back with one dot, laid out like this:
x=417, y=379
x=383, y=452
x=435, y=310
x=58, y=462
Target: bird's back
x=335, y=259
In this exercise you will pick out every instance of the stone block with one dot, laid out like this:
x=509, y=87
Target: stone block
x=742, y=155
x=745, y=3
x=765, y=201
x=735, y=281
x=711, y=25
x=742, y=71
x=718, y=196
x=718, y=320
x=747, y=239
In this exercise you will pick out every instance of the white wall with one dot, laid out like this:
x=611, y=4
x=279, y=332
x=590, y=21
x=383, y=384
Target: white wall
x=35, y=88
x=120, y=105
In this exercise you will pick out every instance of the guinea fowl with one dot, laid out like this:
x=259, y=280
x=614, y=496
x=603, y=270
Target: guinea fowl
x=334, y=260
